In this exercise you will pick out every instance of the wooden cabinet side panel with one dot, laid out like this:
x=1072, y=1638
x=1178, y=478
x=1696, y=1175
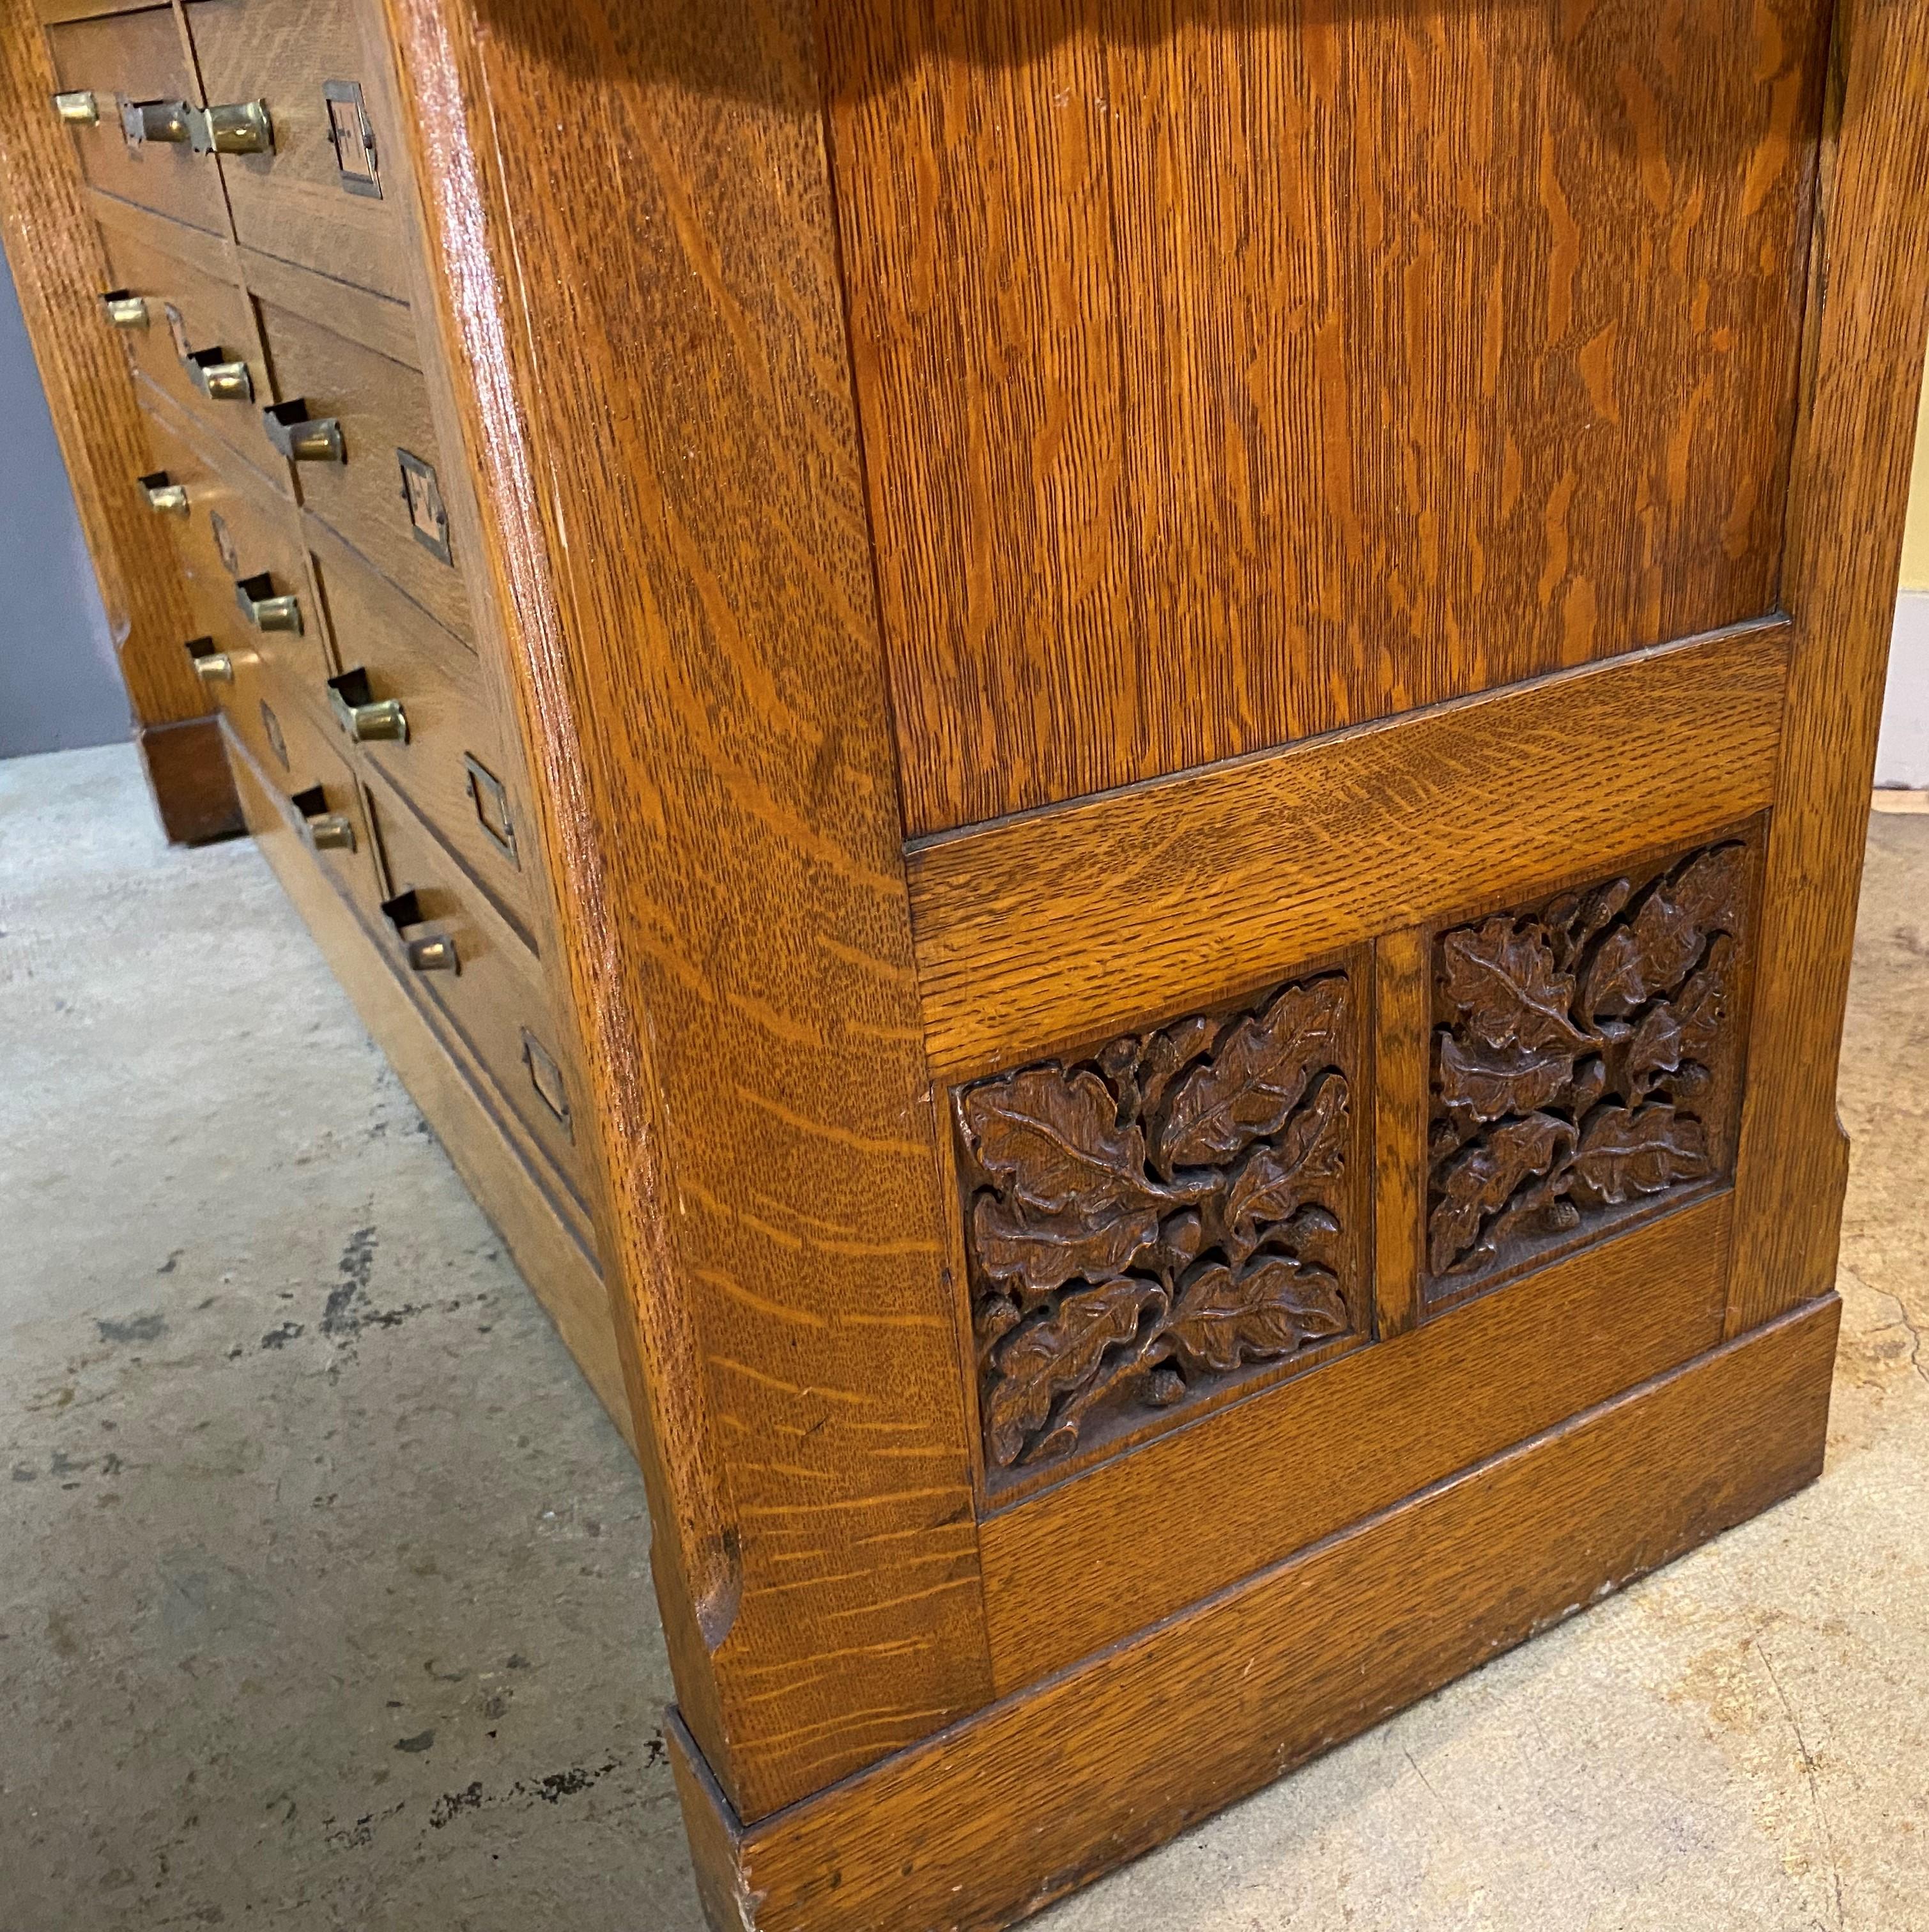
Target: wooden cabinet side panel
x=60, y=270
x=700, y=688
x=1849, y=493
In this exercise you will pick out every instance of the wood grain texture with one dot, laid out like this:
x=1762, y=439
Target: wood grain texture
x=59, y=271
x=383, y=408
x=376, y=322
x=700, y=689
x=549, y=1250
x=1305, y=1459
x=1232, y=371
x=1059, y=925
x=187, y=775
x=137, y=57
x=1848, y=498
x=1403, y=1007
x=1002, y=1814
x=290, y=203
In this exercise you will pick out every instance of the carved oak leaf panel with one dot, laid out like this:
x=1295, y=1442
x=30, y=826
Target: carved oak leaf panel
x=1147, y=1221
x=1586, y=1059
x=1254, y=1079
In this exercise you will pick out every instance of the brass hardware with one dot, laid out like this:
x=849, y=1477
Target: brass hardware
x=546, y=1077
x=301, y=437
x=156, y=120
x=365, y=718
x=352, y=138
x=164, y=498
x=184, y=349
x=326, y=831
x=79, y=108
x=211, y=664
x=422, y=495
x=125, y=311
x=491, y=801
x=434, y=952
x=271, y=724
x=224, y=543
x=219, y=380
x=262, y=608
x=240, y=128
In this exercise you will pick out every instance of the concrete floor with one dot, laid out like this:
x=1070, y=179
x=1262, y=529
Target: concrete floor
x=324, y=1595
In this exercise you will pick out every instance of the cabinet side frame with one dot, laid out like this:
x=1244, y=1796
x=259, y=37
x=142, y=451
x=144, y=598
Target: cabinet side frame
x=699, y=682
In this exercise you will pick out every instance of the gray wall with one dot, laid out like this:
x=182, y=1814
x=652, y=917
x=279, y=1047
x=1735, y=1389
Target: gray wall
x=59, y=685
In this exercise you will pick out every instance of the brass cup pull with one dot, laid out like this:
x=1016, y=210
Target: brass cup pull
x=238, y=128
x=170, y=121
x=219, y=379
x=325, y=830
x=79, y=108
x=164, y=498
x=366, y=719
x=262, y=608
x=125, y=311
x=212, y=665
x=434, y=952
x=301, y=437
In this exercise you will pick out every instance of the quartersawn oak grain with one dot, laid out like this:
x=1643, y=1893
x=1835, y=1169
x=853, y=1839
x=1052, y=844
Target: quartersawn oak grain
x=1060, y=925
x=1234, y=371
x=702, y=693
x=1106, y=1760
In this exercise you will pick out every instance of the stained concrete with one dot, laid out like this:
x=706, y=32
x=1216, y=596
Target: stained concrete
x=324, y=1598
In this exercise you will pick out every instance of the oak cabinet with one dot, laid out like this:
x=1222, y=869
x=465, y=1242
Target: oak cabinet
x=1105, y=766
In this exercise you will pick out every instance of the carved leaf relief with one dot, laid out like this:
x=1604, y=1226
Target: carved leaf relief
x=1146, y=1222
x=1585, y=1059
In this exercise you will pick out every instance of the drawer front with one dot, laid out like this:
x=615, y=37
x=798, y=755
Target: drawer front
x=452, y=765
x=493, y=993
x=234, y=533
x=381, y=407
x=199, y=331
x=320, y=198
x=137, y=57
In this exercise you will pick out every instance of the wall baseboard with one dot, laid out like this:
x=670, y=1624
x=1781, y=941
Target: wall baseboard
x=1902, y=757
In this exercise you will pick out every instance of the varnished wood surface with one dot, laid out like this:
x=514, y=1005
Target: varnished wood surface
x=1059, y=926
x=187, y=774
x=1001, y=1815
x=375, y=322
x=1232, y=371
x=137, y=57
x=548, y=1251
x=1403, y=998
x=1299, y=1461
x=59, y=271
x=1845, y=538
x=382, y=408
x=290, y=203
x=701, y=691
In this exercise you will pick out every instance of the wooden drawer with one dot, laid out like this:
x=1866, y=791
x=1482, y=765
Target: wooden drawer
x=382, y=408
x=452, y=767
x=493, y=995
x=125, y=57
x=309, y=202
x=236, y=532
x=197, y=317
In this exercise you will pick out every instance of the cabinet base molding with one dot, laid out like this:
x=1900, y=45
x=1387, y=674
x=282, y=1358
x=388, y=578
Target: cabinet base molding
x=188, y=772
x=990, y=1820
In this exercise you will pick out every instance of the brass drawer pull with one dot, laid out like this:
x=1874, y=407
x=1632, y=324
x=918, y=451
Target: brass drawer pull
x=325, y=830
x=125, y=311
x=239, y=127
x=164, y=498
x=168, y=121
x=265, y=610
x=434, y=952
x=301, y=437
x=212, y=665
x=365, y=718
x=79, y=108
x=219, y=379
